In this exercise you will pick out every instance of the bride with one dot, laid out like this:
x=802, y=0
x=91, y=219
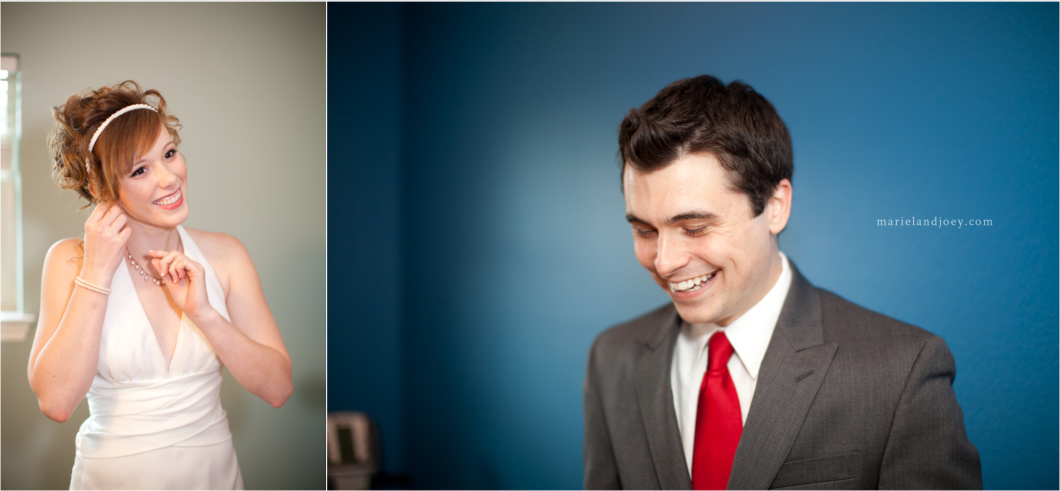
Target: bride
x=140, y=314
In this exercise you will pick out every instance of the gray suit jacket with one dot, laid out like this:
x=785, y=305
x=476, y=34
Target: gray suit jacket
x=846, y=399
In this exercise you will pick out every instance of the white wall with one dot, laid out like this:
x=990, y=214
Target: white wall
x=247, y=81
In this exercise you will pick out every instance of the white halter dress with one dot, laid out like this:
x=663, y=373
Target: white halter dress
x=152, y=426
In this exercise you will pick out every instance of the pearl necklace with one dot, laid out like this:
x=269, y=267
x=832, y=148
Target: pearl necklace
x=143, y=273
x=146, y=276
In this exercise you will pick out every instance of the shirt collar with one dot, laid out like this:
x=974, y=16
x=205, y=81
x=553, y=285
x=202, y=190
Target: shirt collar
x=750, y=333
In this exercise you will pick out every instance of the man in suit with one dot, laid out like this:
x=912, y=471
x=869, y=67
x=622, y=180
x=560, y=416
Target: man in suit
x=752, y=377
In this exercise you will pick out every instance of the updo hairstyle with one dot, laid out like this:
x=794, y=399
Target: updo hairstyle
x=119, y=145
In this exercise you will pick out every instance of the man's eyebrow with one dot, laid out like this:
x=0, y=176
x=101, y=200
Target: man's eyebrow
x=631, y=218
x=692, y=215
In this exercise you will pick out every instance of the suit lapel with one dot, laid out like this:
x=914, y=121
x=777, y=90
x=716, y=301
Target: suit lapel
x=791, y=374
x=655, y=399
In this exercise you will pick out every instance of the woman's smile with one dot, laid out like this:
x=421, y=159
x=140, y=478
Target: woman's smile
x=171, y=201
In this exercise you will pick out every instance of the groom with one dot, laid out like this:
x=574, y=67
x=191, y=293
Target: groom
x=752, y=377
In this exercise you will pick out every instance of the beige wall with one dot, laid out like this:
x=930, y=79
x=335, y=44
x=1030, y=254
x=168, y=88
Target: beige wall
x=248, y=84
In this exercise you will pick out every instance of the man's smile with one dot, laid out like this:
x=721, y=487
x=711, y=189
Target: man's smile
x=692, y=284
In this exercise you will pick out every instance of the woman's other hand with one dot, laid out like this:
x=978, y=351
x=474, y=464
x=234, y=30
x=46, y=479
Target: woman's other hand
x=186, y=281
x=105, y=238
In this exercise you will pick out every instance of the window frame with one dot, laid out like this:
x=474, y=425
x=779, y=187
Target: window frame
x=15, y=322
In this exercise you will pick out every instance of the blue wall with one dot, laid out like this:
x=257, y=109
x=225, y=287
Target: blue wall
x=477, y=239
x=365, y=80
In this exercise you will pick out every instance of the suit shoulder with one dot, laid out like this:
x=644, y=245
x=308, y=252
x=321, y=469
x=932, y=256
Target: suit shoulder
x=843, y=318
x=622, y=337
x=870, y=342
x=612, y=358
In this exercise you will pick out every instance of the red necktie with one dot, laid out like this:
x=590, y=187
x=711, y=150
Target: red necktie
x=718, y=422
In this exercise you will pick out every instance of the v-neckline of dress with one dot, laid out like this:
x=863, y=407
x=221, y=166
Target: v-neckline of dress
x=150, y=327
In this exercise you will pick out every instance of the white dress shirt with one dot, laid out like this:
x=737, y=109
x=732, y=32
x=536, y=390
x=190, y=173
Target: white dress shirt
x=749, y=335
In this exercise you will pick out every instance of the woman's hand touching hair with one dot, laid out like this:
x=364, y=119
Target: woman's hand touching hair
x=105, y=238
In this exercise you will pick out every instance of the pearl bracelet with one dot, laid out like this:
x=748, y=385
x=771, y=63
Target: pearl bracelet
x=91, y=286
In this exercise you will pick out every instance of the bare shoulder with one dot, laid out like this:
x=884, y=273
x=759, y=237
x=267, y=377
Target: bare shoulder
x=218, y=247
x=229, y=258
x=225, y=253
x=66, y=254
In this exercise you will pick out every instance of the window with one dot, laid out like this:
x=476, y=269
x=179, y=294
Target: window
x=15, y=322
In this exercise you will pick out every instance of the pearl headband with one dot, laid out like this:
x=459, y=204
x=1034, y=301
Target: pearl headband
x=112, y=117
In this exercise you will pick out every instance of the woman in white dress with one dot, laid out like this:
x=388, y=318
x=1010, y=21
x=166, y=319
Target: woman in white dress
x=139, y=315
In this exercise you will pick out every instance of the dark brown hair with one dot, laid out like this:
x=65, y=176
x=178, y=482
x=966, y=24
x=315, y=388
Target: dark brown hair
x=736, y=124
x=122, y=143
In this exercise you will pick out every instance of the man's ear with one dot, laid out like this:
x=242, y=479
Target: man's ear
x=778, y=208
